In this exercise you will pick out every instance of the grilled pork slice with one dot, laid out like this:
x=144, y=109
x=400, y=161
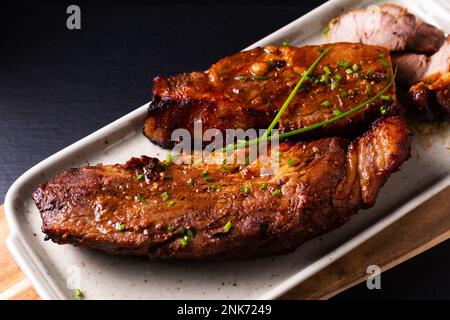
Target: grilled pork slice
x=429, y=78
x=247, y=89
x=439, y=63
x=386, y=25
x=201, y=211
x=414, y=68
x=411, y=67
x=431, y=102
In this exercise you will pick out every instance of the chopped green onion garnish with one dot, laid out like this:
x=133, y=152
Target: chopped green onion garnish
x=338, y=76
x=170, y=228
x=324, y=79
x=368, y=88
x=291, y=162
x=355, y=67
x=263, y=186
x=227, y=226
x=77, y=293
x=326, y=30
x=326, y=104
x=204, y=173
x=190, y=182
x=344, y=94
x=170, y=203
x=260, y=78
x=285, y=44
x=208, y=179
x=218, y=189
x=337, y=112
x=169, y=159
x=184, y=241
x=383, y=110
x=245, y=189
x=326, y=70
x=385, y=98
x=165, y=196
x=140, y=177
x=276, y=192
x=343, y=64
x=334, y=21
x=140, y=199
x=334, y=84
x=240, y=78
x=348, y=71
x=120, y=226
x=186, y=236
x=385, y=63
x=212, y=187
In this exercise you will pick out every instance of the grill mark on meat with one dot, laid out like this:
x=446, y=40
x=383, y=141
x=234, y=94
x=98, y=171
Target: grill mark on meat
x=221, y=102
x=332, y=179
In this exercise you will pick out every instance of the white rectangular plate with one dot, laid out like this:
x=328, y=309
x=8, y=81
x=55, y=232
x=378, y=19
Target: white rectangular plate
x=52, y=269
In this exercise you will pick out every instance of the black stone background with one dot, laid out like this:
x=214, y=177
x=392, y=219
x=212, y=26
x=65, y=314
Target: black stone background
x=57, y=86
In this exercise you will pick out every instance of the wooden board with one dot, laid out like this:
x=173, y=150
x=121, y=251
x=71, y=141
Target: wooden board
x=423, y=228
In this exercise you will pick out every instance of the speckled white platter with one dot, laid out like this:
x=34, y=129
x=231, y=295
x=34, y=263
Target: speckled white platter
x=50, y=267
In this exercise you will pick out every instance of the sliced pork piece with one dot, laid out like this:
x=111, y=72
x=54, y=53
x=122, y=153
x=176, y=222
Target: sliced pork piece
x=439, y=63
x=431, y=102
x=427, y=39
x=414, y=68
x=411, y=67
x=247, y=89
x=216, y=212
x=428, y=77
x=386, y=25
